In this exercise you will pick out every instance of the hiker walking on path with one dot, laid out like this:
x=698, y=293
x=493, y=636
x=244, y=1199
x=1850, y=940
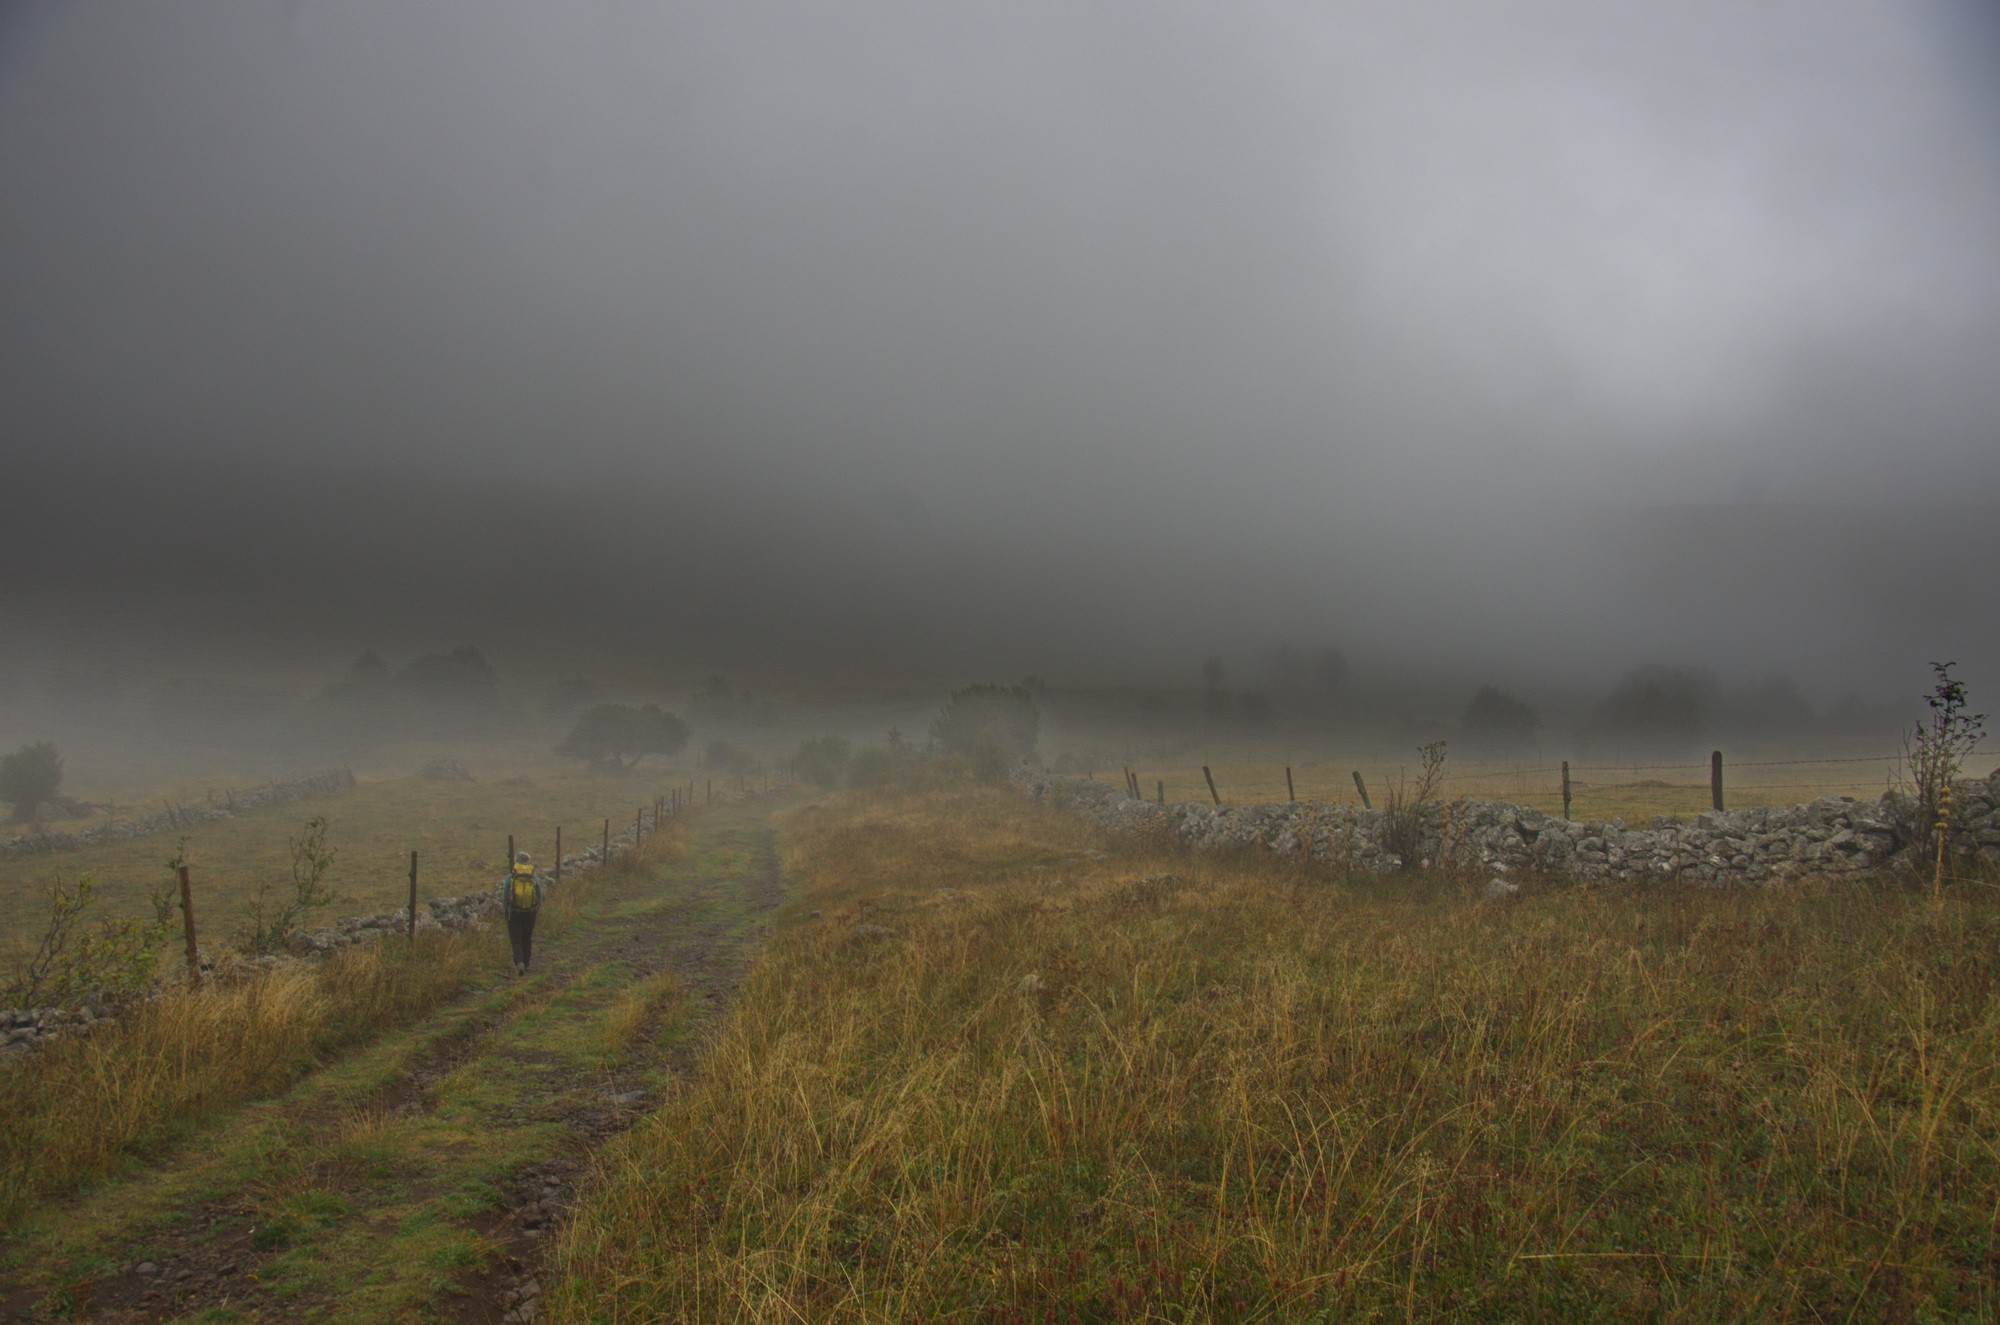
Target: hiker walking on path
x=521, y=898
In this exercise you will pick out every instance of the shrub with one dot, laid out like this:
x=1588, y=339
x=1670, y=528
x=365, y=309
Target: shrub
x=1403, y=811
x=29, y=777
x=272, y=924
x=873, y=765
x=722, y=757
x=1497, y=721
x=822, y=761
x=1002, y=720
x=1659, y=708
x=462, y=677
x=615, y=737
x=1935, y=752
x=76, y=960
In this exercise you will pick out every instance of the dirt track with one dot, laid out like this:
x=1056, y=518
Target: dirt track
x=433, y=1166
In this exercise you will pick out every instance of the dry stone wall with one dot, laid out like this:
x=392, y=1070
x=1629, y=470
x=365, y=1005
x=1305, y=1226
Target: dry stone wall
x=1825, y=837
x=176, y=818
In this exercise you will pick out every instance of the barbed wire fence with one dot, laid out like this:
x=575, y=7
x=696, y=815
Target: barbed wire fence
x=1605, y=789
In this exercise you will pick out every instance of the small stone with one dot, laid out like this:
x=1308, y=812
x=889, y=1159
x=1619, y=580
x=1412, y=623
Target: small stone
x=146, y=1267
x=1501, y=888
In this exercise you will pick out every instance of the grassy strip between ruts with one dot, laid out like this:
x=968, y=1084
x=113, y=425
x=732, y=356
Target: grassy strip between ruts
x=1017, y=1072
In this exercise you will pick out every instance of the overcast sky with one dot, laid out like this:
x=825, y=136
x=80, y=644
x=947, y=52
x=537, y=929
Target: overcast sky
x=1115, y=284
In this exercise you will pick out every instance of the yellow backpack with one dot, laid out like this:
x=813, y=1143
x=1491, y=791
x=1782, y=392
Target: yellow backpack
x=522, y=888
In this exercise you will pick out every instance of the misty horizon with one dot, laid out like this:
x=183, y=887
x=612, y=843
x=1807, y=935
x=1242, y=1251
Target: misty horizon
x=913, y=347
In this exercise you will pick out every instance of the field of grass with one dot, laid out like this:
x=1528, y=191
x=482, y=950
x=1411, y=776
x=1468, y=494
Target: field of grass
x=1013, y=1071
x=1634, y=793
x=458, y=829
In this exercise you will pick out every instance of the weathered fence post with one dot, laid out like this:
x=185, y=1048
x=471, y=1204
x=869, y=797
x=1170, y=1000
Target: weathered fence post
x=1715, y=778
x=510, y=855
x=558, y=855
x=1213, y=794
x=413, y=896
x=1162, y=786
x=1290, y=794
x=1362, y=787
x=638, y=828
x=605, y=859
x=187, y=923
x=1565, y=788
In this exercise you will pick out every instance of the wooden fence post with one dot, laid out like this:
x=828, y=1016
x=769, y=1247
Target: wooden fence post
x=413, y=896
x=1715, y=778
x=510, y=855
x=605, y=859
x=558, y=855
x=1213, y=794
x=187, y=923
x=1162, y=786
x=1565, y=788
x=1290, y=794
x=1362, y=787
x=638, y=828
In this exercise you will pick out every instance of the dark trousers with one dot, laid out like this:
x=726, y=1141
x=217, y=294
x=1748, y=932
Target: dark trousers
x=521, y=930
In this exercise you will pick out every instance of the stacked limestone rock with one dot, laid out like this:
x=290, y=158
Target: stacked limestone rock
x=23, y=1028
x=1829, y=836
x=450, y=913
x=178, y=818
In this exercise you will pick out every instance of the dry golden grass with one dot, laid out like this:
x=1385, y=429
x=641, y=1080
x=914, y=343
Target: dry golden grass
x=633, y=1007
x=83, y=1103
x=1061, y=1087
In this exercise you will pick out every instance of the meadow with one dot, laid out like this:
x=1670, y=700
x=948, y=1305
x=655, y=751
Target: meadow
x=1599, y=790
x=458, y=829
x=998, y=1067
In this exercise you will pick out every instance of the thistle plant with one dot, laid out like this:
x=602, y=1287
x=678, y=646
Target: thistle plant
x=1935, y=751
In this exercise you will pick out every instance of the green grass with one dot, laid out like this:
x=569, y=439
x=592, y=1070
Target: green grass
x=1248, y=1093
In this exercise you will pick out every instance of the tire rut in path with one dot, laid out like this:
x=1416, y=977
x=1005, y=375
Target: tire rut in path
x=710, y=961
